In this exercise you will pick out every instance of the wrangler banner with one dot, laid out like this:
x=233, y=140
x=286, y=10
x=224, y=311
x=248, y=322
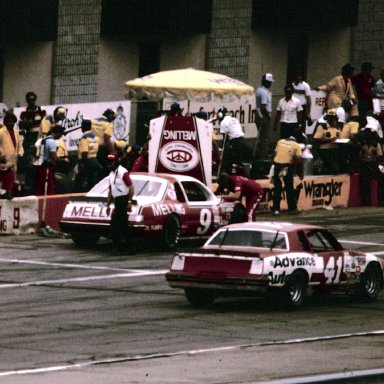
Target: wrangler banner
x=312, y=192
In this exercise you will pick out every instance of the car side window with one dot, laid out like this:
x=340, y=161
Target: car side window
x=318, y=241
x=305, y=246
x=195, y=191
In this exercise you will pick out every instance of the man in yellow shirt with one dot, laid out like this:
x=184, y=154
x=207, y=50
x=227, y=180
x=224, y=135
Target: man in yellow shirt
x=50, y=121
x=11, y=148
x=89, y=167
x=326, y=135
x=102, y=128
x=288, y=155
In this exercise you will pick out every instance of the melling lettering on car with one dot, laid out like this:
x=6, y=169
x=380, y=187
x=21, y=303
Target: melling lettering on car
x=179, y=148
x=166, y=209
x=89, y=211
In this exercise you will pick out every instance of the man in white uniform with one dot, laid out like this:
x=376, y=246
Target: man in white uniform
x=289, y=112
x=235, y=148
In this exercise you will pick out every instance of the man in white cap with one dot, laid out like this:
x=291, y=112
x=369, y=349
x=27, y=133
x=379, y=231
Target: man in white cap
x=263, y=115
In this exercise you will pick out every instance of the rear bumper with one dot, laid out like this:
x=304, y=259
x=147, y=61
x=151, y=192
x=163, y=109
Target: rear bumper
x=103, y=229
x=259, y=285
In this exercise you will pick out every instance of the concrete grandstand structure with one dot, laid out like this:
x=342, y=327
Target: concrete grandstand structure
x=77, y=51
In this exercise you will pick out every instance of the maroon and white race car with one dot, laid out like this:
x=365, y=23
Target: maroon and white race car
x=289, y=260
x=166, y=207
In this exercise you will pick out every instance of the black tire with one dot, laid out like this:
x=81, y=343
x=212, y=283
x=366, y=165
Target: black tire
x=84, y=239
x=371, y=283
x=238, y=214
x=171, y=233
x=199, y=297
x=293, y=293
x=63, y=183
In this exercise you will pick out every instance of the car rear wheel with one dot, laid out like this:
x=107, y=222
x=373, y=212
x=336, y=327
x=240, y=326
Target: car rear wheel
x=84, y=239
x=371, y=283
x=294, y=290
x=199, y=297
x=171, y=233
x=238, y=214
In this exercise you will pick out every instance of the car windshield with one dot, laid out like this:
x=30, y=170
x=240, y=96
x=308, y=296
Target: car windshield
x=144, y=187
x=249, y=238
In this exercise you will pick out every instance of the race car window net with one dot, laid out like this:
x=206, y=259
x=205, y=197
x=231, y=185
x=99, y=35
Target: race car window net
x=243, y=238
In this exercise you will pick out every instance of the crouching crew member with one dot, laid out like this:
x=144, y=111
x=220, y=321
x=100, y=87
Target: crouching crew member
x=121, y=191
x=242, y=187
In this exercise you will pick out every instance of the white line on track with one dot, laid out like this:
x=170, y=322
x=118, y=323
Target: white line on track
x=74, y=266
x=186, y=353
x=82, y=279
x=360, y=242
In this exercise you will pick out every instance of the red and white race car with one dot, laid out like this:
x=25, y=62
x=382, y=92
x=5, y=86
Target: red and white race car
x=167, y=207
x=289, y=260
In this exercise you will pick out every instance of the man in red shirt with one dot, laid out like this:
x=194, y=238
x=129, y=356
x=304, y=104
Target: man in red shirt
x=363, y=83
x=241, y=187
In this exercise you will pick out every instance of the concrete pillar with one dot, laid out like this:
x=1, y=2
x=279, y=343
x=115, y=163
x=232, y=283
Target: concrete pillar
x=76, y=51
x=228, y=43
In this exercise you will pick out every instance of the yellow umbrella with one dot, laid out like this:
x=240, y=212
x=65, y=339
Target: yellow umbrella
x=187, y=84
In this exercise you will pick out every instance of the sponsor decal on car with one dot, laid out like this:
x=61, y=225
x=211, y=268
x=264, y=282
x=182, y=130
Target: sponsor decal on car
x=179, y=156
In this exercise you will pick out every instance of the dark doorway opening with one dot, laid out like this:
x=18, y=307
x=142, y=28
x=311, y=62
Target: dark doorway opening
x=297, y=56
x=149, y=62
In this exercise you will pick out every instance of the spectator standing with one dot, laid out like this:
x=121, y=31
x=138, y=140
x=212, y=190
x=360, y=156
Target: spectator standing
x=263, y=115
x=45, y=179
x=51, y=121
x=340, y=88
x=121, y=191
x=370, y=156
x=326, y=135
x=215, y=148
x=289, y=113
x=378, y=90
x=302, y=91
x=288, y=156
x=235, y=149
x=102, y=127
x=364, y=83
x=11, y=149
x=241, y=187
x=29, y=125
x=88, y=165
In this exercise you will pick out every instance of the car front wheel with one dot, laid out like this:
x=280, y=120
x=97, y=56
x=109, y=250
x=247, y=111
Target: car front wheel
x=238, y=214
x=199, y=297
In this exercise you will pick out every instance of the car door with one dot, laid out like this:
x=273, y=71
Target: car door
x=202, y=212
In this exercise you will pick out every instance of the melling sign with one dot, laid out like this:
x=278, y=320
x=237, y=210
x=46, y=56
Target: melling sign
x=181, y=145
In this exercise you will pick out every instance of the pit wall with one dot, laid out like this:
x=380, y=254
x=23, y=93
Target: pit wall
x=24, y=215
